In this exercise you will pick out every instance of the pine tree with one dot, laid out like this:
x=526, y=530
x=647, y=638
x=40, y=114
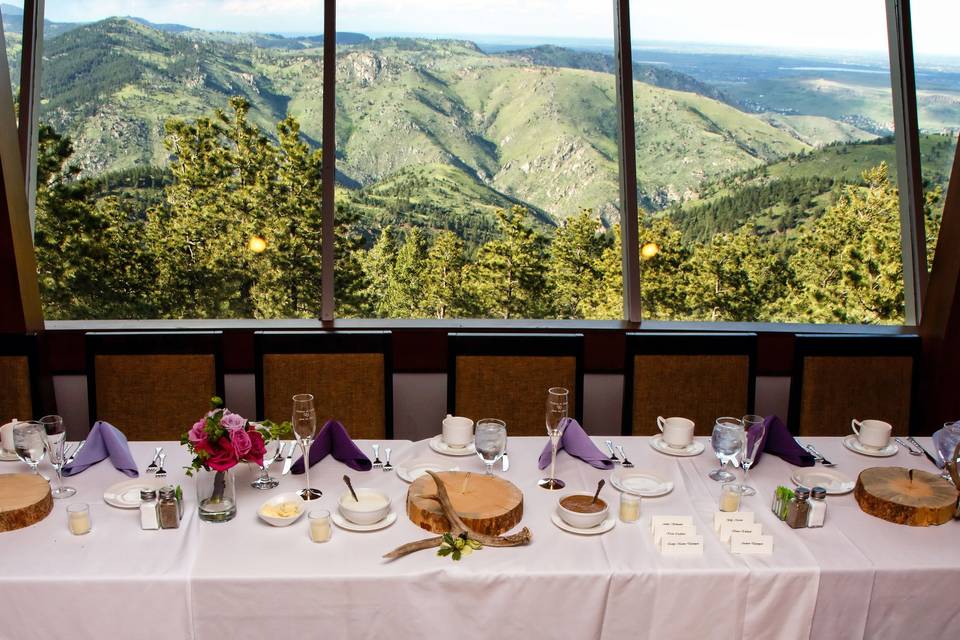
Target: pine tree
x=443, y=293
x=575, y=268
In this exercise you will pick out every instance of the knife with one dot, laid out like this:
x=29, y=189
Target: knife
x=288, y=462
x=938, y=465
x=75, y=452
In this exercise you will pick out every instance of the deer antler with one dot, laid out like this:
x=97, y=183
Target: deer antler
x=457, y=527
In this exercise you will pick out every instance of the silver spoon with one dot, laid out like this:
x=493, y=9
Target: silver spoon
x=386, y=464
x=626, y=463
x=908, y=447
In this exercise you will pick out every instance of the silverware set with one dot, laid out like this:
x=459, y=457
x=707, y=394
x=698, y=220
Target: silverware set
x=68, y=456
x=909, y=447
x=152, y=467
x=621, y=459
x=816, y=454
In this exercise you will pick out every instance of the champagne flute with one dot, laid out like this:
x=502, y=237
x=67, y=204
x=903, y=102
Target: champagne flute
x=491, y=441
x=727, y=441
x=750, y=453
x=556, y=420
x=28, y=442
x=304, y=428
x=56, y=439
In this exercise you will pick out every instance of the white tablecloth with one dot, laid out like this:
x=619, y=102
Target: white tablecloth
x=857, y=577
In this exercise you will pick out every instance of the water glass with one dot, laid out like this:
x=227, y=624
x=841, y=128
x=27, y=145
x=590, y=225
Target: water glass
x=491, y=441
x=727, y=441
x=264, y=481
x=29, y=442
x=557, y=409
x=304, y=429
x=56, y=439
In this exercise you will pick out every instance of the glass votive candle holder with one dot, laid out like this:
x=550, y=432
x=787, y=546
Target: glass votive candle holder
x=730, y=495
x=629, y=507
x=320, y=525
x=78, y=518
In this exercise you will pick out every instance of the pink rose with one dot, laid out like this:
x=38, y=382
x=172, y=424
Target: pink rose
x=241, y=442
x=224, y=457
x=257, y=447
x=233, y=422
x=197, y=432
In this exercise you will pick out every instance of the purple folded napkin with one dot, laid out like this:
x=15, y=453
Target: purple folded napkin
x=577, y=443
x=104, y=440
x=778, y=440
x=333, y=438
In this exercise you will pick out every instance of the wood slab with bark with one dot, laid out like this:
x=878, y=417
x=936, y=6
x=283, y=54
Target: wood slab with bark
x=24, y=500
x=486, y=504
x=906, y=496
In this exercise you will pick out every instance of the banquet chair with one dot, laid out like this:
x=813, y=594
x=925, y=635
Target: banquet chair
x=700, y=376
x=506, y=376
x=20, y=395
x=349, y=373
x=837, y=378
x=153, y=385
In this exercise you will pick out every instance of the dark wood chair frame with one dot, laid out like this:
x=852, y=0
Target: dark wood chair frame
x=28, y=345
x=862, y=345
x=514, y=344
x=328, y=342
x=150, y=343
x=685, y=344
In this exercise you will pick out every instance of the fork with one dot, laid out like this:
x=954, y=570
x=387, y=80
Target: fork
x=152, y=467
x=613, y=456
x=819, y=456
x=376, y=456
x=626, y=463
x=386, y=464
x=161, y=472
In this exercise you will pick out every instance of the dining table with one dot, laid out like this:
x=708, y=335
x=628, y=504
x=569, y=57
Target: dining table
x=856, y=577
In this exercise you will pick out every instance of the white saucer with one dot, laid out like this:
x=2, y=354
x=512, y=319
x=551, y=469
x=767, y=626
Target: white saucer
x=695, y=448
x=410, y=471
x=126, y=494
x=833, y=481
x=851, y=442
x=641, y=483
x=343, y=523
x=8, y=456
x=603, y=527
x=438, y=445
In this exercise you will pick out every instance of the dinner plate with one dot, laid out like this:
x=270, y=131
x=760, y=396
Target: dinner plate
x=641, y=483
x=603, y=527
x=695, y=448
x=853, y=443
x=410, y=471
x=343, y=523
x=126, y=494
x=438, y=445
x=832, y=480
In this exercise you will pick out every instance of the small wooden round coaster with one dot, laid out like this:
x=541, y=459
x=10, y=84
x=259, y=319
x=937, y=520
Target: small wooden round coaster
x=24, y=500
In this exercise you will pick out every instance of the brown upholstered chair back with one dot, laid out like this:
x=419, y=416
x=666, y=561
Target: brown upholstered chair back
x=506, y=376
x=16, y=398
x=697, y=376
x=841, y=378
x=150, y=386
x=348, y=373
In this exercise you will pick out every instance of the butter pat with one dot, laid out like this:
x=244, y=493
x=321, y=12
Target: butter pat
x=751, y=544
x=732, y=517
x=688, y=545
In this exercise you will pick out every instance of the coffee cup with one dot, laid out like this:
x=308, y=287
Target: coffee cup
x=872, y=434
x=6, y=436
x=457, y=431
x=677, y=432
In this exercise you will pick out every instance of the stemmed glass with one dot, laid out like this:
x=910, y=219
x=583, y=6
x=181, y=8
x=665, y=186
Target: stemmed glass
x=556, y=419
x=491, y=441
x=28, y=442
x=304, y=428
x=727, y=441
x=264, y=481
x=56, y=439
x=750, y=453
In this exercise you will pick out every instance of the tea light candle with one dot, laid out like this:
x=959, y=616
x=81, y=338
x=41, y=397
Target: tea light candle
x=78, y=519
x=319, y=520
x=730, y=497
x=629, y=507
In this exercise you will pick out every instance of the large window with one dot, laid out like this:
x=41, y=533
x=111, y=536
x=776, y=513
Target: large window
x=13, y=34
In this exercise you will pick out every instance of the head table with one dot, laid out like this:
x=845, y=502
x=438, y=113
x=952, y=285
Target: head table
x=856, y=577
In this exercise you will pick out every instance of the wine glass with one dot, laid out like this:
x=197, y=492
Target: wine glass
x=304, y=428
x=556, y=419
x=491, y=441
x=28, y=442
x=264, y=481
x=56, y=439
x=727, y=441
x=750, y=453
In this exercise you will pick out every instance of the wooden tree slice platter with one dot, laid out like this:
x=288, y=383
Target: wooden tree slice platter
x=487, y=504
x=906, y=496
x=24, y=500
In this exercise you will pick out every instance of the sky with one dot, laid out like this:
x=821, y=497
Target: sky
x=857, y=25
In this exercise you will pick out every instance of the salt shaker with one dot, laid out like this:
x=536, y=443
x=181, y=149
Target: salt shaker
x=149, y=514
x=818, y=507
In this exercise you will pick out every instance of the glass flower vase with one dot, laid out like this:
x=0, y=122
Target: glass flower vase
x=216, y=495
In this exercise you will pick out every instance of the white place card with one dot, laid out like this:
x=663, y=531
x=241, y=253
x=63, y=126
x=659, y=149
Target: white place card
x=727, y=529
x=733, y=517
x=656, y=521
x=672, y=531
x=751, y=544
x=682, y=546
